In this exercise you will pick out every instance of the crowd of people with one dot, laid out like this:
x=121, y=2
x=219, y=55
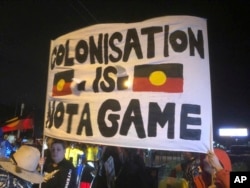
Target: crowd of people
x=202, y=170
x=28, y=165
x=64, y=164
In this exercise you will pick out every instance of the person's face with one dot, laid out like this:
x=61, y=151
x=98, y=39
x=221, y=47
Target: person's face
x=11, y=139
x=57, y=152
x=207, y=166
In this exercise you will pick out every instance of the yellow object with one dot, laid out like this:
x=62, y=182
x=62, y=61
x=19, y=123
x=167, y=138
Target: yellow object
x=177, y=183
x=72, y=154
x=92, y=152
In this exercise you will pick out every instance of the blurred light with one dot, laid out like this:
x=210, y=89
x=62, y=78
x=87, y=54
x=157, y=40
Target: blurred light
x=127, y=84
x=233, y=132
x=45, y=146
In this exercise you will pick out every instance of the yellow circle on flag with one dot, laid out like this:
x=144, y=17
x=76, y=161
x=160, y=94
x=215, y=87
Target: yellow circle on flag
x=60, y=85
x=157, y=78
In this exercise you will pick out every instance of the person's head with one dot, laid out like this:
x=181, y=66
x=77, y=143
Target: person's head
x=58, y=149
x=11, y=138
x=205, y=165
x=220, y=156
x=23, y=164
x=189, y=155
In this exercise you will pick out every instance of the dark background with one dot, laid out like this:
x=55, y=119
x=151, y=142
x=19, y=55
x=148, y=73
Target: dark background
x=28, y=26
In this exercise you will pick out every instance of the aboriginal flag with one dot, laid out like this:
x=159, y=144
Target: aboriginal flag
x=61, y=84
x=159, y=78
x=18, y=123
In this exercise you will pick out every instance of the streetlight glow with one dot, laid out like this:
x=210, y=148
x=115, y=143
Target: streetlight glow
x=233, y=132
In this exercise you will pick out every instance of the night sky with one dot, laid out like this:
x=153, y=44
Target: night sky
x=27, y=27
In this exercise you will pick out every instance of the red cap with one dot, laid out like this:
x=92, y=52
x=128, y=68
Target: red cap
x=224, y=158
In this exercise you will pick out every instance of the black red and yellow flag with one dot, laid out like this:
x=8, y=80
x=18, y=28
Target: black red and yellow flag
x=18, y=123
x=62, y=82
x=159, y=78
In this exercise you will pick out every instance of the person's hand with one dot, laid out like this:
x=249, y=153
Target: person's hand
x=212, y=186
x=41, y=161
x=214, y=161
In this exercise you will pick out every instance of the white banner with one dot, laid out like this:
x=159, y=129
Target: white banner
x=138, y=85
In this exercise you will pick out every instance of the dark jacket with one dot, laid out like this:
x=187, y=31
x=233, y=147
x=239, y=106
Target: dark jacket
x=64, y=175
x=132, y=173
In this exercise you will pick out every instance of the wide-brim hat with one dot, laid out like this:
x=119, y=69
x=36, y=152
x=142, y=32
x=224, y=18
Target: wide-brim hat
x=24, y=164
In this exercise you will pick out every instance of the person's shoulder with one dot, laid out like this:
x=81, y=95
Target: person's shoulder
x=66, y=163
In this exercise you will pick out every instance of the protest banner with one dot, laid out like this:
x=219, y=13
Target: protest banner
x=138, y=85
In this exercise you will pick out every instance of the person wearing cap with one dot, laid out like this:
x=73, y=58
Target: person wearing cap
x=60, y=173
x=21, y=169
x=216, y=167
x=203, y=170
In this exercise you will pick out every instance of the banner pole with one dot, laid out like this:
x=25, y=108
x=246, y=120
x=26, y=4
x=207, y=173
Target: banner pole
x=42, y=155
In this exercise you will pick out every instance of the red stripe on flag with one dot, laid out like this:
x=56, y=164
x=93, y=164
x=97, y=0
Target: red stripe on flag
x=21, y=124
x=159, y=78
x=172, y=85
x=65, y=91
x=27, y=123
